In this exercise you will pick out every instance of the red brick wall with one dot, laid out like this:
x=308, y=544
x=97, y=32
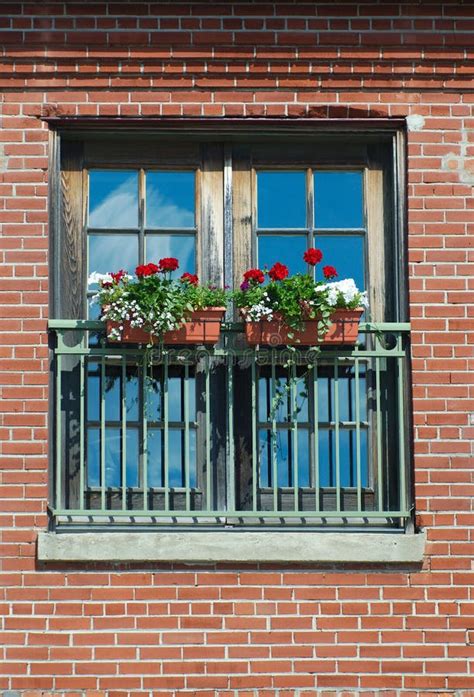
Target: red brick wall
x=243, y=631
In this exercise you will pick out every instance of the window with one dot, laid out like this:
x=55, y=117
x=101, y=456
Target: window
x=230, y=435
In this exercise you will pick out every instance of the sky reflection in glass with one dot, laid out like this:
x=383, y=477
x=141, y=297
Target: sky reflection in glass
x=113, y=457
x=346, y=254
x=284, y=406
x=338, y=200
x=176, y=473
x=113, y=199
x=182, y=247
x=286, y=249
x=170, y=199
x=281, y=199
x=112, y=252
x=347, y=458
x=285, y=457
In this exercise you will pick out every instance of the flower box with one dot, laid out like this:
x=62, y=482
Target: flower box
x=202, y=327
x=343, y=330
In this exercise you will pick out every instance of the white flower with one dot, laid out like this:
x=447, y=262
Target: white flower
x=96, y=277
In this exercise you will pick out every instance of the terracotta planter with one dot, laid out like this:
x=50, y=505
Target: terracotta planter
x=343, y=330
x=203, y=327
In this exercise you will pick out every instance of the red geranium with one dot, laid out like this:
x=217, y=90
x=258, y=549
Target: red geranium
x=117, y=277
x=329, y=272
x=169, y=264
x=190, y=278
x=254, y=275
x=313, y=256
x=146, y=270
x=278, y=272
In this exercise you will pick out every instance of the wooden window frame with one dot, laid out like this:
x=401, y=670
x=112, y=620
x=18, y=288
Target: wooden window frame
x=227, y=219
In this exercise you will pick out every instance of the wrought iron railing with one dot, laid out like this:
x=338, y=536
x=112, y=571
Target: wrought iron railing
x=230, y=435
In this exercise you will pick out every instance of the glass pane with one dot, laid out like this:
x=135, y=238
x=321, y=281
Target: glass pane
x=155, y=457
x=93, y=457
x=93, y=392
x=281, y=199
x=113, y=451
x=287, y=249
x=338, y=200
x=132, y=457
x=176, y=459
x=182, y=247
x=108, y=252
x=346, y=254
x=113, y=199
x=347, y=458
x=283, y=399
x=285, y=457
x=153, y=392
x=175, y=408
x=94, y=310
x=303, y=457
x=170, y=199
x=112, y=394
x=264, y=456
x=326, y=391
x=131, y=394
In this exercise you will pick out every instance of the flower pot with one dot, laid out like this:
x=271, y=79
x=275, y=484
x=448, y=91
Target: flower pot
x=202, y=327
x=343, y=330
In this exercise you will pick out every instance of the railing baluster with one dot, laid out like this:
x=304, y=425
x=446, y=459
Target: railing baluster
x=378, y=427
x=166, y=429
x=294, y=436
x=145, y=429
x=124, y=432
x=208, y=434
x=58, y=428
x=401, y=431
x=337, y=434
x=186, y=438
x=357, y=415
x=102, y=433
x=230, y=437
x=316, y=435
x=81, y=431
x=274, y=441
x=255, y=471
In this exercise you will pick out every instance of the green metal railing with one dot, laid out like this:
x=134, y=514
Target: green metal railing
x=228, y=434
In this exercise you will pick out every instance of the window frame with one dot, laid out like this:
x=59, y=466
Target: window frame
x=228, y=190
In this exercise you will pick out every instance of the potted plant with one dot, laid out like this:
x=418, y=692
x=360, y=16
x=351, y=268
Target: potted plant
x=297, y=309
x=151, y=307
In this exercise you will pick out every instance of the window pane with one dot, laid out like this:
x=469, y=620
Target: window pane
x=281, y=199
x=113, y=199
x=93, y=457
x=170, y=199
x=112, y=252
x=113, y=451
x=132, y=457
x=154, y=457
x=182, y=247
x=287, y=249
x=347, y=458
x=346, y=253
x=93, y=392
x=283, y=399
x=338, y=200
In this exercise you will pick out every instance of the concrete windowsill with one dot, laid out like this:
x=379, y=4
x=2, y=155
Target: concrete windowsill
x=232, y=546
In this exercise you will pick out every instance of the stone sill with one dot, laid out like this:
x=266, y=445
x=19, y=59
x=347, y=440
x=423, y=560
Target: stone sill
x=232, y=546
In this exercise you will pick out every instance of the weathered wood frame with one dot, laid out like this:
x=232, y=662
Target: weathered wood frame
x=225, y=173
